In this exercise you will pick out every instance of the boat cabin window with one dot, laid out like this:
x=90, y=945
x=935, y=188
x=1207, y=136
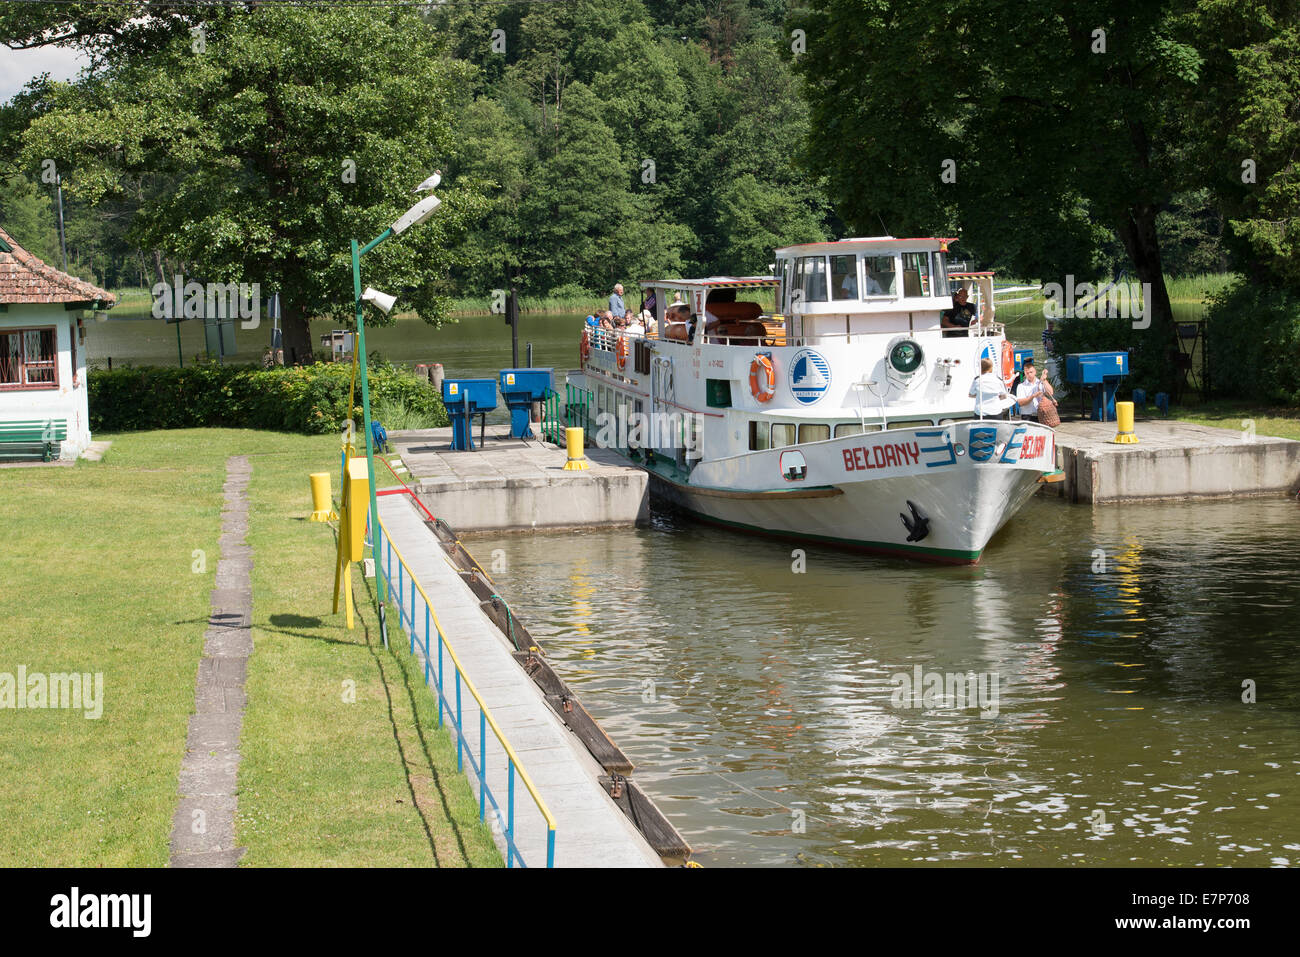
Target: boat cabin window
x=810, y=279
x=916, y=275
x=844, y=277
x=911, y=424
x=783, y=434
x=854, y=428
x=758, y=436
x=879, y=277
x=814, y=433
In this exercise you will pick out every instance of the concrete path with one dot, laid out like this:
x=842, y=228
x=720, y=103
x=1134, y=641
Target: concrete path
x=520, y=484
x=203, y=829
x=591, y=830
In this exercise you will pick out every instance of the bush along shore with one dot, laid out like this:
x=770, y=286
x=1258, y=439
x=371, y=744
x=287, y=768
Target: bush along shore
x=307, y=399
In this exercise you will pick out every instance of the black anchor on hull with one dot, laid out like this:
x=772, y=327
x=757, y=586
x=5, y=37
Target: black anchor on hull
x=918, y=526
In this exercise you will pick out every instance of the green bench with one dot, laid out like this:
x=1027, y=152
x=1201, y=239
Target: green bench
x=32, y=438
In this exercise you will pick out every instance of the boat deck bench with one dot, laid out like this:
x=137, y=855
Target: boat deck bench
x=32, y=439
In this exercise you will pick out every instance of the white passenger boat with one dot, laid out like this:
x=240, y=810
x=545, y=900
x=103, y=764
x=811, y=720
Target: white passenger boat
x=842, y=416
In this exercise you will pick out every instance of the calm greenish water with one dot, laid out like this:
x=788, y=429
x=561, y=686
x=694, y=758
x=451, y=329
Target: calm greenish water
x=746, y=692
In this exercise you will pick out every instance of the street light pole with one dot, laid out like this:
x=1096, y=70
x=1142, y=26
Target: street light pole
x=412, y=217
x=381, y=585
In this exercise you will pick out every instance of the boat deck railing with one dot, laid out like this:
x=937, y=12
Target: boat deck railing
x=606, y=340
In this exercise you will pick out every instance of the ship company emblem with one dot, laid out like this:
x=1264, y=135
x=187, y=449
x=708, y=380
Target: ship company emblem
x=810, y=376
x=793, y=466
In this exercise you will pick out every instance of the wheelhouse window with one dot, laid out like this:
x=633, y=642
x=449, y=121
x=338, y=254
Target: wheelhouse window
x=917, y=280
x=810, y=278
x=879, y=277
x=940, y=275
x=28, y=359
x=844, y=277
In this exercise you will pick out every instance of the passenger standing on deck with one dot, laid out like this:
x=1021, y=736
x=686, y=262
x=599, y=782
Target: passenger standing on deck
x=989, y=392
x=1027, y=392
x=616, y=305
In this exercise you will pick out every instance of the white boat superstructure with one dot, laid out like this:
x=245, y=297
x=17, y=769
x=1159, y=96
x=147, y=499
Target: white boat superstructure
x=826, y=402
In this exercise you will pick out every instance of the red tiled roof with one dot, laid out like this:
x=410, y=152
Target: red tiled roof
x=25, y=279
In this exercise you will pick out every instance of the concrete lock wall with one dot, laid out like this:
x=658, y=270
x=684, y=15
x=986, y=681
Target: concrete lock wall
x=515, y=504
x=1264, y=466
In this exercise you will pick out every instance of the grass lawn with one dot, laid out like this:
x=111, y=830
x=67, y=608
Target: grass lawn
x=104, y=575
x=1238, y=415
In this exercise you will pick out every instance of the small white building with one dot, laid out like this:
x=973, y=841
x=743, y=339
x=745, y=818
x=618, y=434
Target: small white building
x=43, y=353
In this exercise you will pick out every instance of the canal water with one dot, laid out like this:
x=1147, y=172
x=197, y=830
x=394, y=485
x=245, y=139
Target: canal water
x=760, y=690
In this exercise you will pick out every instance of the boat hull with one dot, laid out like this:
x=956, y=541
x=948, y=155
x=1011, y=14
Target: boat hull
x=928, y=499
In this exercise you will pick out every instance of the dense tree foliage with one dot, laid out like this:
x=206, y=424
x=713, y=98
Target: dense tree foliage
x=596, y=141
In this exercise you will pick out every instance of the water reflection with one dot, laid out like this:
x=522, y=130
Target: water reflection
x=759, y=703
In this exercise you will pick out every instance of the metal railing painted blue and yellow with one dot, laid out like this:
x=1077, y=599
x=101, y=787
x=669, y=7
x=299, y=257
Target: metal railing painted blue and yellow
x=403, y=594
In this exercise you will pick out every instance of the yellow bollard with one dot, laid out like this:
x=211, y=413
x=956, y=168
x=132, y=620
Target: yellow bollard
x=1124, y=415
x=322, y=507
x=577, y=459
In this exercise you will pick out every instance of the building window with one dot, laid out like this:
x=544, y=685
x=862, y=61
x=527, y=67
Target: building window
x=29, y=359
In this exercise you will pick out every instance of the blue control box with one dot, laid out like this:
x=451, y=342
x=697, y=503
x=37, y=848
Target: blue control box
x=1102, y=371
x=521, y=388
x=464, y=398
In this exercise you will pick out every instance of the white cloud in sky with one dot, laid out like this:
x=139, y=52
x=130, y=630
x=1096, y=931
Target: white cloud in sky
x=17, y=67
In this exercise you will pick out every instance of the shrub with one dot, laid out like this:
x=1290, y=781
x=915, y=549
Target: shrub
x=1148, y=352
x=311, y=399
x=1253, y=335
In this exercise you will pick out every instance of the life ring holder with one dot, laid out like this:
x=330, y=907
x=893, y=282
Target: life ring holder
x=620, y=351
x=584, y=347
x=1008, y=362
x=762, y=366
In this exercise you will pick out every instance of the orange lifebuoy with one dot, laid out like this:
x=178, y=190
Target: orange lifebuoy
x=584, y=347
x=762, y=392
x=621, y=351
x=1008, y=363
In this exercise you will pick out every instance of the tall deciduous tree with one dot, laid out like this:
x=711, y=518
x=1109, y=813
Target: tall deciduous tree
x=286, y=133
x=1035, y=128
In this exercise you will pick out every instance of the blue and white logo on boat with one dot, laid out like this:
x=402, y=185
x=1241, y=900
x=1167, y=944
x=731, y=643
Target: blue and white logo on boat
x=810, y=376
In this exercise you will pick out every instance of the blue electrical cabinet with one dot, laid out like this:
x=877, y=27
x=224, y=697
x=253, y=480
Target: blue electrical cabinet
x=521, y=388
x=1101, y=373
x=1020, y=356
x=465, y=398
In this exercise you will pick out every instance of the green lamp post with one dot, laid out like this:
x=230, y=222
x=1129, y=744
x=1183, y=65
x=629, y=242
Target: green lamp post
x=412, y=217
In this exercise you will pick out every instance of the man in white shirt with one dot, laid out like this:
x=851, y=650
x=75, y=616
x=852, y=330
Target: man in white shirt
x=989, y=392
x=1027, y=392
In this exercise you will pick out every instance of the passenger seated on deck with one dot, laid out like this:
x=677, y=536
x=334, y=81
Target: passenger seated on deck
x=990, y=392
x=634, y=326
x=648, y=321
x=675, y=323
x=958, y=320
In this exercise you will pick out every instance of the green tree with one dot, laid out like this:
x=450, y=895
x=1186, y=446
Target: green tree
x=285, y=132
x=1036, y=130
x=27, y=214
